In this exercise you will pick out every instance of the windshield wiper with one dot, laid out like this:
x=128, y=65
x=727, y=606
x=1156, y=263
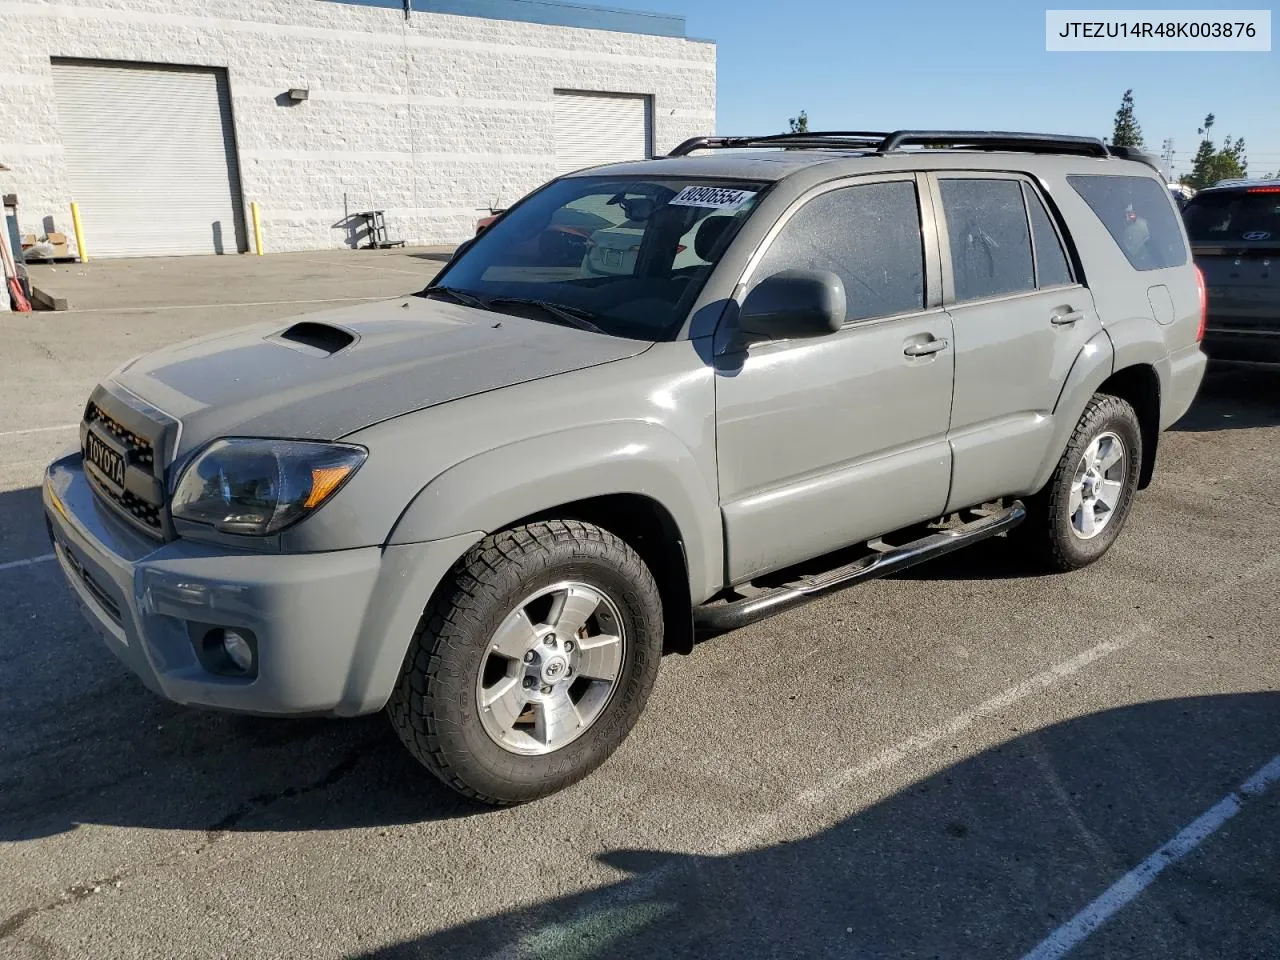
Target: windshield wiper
x=458, y=296
x=572, y=316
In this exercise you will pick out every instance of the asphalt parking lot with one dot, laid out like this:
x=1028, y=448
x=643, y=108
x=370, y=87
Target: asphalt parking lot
x=963, y=762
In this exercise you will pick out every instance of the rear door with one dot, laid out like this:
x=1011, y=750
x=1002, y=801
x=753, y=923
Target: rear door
x=1020, y=318
x=1235, y=238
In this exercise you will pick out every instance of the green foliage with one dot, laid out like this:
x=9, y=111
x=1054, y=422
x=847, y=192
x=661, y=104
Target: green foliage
x=799, y=124
x=1212, y=163
x=1127, y=132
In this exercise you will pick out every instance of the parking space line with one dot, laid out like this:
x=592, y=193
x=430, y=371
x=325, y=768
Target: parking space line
x=369, y=266
x=646, y=885
x=30, y=561
x=214, y=306
x=1059, y=943
x=22, y=433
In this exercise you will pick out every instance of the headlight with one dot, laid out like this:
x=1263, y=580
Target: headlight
x=259, y=487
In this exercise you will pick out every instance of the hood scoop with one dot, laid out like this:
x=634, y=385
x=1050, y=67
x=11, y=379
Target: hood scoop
x=317, y=339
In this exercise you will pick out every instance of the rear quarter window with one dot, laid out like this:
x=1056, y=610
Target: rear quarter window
x=1138, y=214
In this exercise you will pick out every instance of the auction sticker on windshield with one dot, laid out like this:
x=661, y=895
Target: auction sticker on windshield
x=718, y=197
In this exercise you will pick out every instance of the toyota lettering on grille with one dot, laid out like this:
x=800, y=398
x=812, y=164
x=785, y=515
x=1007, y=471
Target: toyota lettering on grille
x=108, y=461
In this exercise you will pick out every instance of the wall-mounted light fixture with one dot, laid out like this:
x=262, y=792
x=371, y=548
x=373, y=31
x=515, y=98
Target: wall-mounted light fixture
x=298, y=94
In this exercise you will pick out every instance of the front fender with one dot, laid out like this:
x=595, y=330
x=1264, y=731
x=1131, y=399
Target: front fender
x=1092, y=366
x=498, y=487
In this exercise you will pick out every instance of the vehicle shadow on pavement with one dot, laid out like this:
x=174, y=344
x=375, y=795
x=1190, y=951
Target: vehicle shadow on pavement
x=1234, y=396
x=985, y=858
x=83, y=742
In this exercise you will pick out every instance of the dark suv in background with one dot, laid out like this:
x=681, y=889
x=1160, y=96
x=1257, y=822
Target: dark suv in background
x=1235, y=237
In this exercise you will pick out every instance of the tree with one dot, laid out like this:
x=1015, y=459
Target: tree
x=1212, y=164
x=1127, y=132
x=1204, y=156
x=799, y=124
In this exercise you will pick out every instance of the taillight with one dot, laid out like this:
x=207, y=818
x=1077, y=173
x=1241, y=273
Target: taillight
x=1204, y=304
x=1263, y=190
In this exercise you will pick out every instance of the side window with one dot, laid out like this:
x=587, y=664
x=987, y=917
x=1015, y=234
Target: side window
x=1139, y=215
x=869, y=236
x=1051, y=263
x=990, y=243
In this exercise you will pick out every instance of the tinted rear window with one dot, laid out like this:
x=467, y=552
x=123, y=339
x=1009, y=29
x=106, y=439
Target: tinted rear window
x=1139, y=215
x=1230, y=215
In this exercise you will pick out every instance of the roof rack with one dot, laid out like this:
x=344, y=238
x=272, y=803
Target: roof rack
x=995, y=140
x=893, y=142
x=816, y=141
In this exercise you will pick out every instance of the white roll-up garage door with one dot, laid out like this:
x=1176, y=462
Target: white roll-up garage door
x=150, y=155
x=596, y=128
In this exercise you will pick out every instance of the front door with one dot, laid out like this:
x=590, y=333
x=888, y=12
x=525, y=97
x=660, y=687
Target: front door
x=826, y=441
x=1020, y=318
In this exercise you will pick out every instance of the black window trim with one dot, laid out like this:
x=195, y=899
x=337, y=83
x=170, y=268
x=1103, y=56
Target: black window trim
x=1029, y=187
x=929, y=241
x=944, y=245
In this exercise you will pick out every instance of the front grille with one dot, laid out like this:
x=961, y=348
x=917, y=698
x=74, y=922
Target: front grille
x=140, y=503
x=141, y=450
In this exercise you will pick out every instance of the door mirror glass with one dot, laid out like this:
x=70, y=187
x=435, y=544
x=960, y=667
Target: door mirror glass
x=794, y=303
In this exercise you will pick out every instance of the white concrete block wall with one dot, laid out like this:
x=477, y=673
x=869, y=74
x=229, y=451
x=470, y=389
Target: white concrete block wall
x=428, y=119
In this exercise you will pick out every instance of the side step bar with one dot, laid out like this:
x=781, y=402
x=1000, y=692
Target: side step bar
x=730, y=616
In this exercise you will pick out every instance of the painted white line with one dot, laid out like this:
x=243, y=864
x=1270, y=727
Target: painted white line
x=211, y=306
x=369, y=266
x=1068, y=936
x=647, y=885
x=23, y=433
x=30, y=561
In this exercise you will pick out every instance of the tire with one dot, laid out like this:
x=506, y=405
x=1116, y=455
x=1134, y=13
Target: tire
x=1056, y=532
x=467, y=649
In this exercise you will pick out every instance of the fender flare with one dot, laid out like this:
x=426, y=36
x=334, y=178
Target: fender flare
x=1093, y=364
x=493, y=489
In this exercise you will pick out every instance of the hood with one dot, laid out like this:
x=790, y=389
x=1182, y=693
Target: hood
x=324, y=375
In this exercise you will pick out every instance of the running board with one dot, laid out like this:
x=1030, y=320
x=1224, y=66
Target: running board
x=738, y=613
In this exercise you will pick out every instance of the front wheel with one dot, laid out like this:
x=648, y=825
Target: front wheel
x=1080, y=512
x=532, y=663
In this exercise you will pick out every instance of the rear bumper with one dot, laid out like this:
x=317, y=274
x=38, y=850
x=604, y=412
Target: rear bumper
x=331, y=629
x=1253, y=345
x=1186, y=372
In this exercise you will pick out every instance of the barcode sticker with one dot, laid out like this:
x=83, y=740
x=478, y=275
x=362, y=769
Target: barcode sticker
x=720, y=198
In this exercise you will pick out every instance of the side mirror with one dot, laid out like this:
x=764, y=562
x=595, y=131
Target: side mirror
x=794, y=303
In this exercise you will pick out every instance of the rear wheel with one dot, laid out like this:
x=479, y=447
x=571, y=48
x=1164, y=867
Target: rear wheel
x=1080, y=512
x=532, y=664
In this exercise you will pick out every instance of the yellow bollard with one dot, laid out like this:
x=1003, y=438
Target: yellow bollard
x=75, y=223
x=257, y=228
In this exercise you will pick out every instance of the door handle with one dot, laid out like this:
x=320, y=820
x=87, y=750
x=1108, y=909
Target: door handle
x=1066, y=318
x=917, y=348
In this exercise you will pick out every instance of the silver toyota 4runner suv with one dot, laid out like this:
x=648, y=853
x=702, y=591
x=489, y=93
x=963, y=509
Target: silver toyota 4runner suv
x=650, y=399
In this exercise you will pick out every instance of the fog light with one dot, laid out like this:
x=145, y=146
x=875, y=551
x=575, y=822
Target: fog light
x=238, y=650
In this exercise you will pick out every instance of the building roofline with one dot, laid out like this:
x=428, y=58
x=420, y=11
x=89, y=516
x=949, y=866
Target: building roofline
x=554, y=13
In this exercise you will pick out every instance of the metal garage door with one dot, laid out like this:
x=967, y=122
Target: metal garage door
x=150, y=158
x=596, y=128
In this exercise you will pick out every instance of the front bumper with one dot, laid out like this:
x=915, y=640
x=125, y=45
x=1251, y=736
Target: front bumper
x=331, y=628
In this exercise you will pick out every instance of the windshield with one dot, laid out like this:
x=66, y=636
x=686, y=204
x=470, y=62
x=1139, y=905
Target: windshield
x=622, y=256
x=1227, y=216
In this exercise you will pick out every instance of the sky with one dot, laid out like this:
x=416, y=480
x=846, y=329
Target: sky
x=969, y=64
